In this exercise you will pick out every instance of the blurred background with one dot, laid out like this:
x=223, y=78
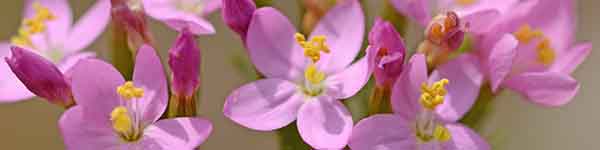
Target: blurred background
x=519, y=124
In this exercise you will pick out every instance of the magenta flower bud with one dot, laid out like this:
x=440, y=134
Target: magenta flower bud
x=387, y=43
x=40, y=76
x=184, y=60
x=237, y=15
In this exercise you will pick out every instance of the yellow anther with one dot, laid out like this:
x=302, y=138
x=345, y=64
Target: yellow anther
x=35, y=26
x=525, y=34
x=313, y=75
x=121, y=120
x=129, y=91
x=545, y=52
x=432, y=96
x=42, y=13
x=465, y=2
x=312, y=48
x=22, y=39
x=441, y=133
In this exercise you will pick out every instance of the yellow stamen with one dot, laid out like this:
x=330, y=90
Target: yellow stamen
x=433, y=95
x=465, y=2
x=313, y=75
x=545, y=52
x=33, y=25
x=129, y=91
x=121, y=120
x=525, y=34
x=312, y=48
x=441, y=133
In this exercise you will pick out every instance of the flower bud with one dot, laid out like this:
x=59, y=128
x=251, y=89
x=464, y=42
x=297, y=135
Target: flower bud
x=389, y=46
x=237, y=15
x=446, y=30
x=40, y=76
x=184, y=60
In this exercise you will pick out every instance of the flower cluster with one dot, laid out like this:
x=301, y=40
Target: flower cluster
x=419, y=97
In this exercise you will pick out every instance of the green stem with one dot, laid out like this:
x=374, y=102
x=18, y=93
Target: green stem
x=379, y=101
x=182, y=106
x=122, y=57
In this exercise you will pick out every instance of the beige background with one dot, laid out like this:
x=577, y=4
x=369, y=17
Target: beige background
x=33, y=124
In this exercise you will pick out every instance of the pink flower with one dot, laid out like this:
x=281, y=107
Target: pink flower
x=48, y=31
x=305, y=77
x=114, y=114
x=537, y=46
x=181, y=14
x=425, y=110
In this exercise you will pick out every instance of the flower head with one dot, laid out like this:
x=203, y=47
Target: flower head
x=386, y=43
x=116, y=114
x=425, y=110
x=48, y=30
x=305, y=76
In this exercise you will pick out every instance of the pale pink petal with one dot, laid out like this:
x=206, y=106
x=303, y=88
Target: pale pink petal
x=348, y=82
x=89, y=27
x=344, y=27
x=549, y=89
x=264, y=105
x=94, y=84
x=69, y=62
x=418, y=10
x=407, y=89
x=463, y=138
x=272, y=46
x=168, y=12
x=177, y=133
x=58, y=28
x=465, y=80
x=11, y=87
x=211, y=6
x=383, y=132
x=324, y=123
x=479, y=21
x=568, y=62
x=79, y=132
x=499, y=62
x=149, y=75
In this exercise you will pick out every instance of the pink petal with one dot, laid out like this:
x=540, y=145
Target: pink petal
x=58, y=28
x=418, y=10
x=150, y=76
x=407, y=89
x=195, y=24
x=211, y=6
x=94, y=83
x=89, y=27
x=500, y=60
x=348, y=82
x=272, y=46
x=264, y=105
x=382, y=132
x=568, y=62
x=465, y=80
x=479, y=21
x=463, y=138
x=344, y=27
x=167, y=12
x=549, y=89
x=79, y=133
x=324, y=123
x=70, y=61
x=177, y=133
x=11, y=87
